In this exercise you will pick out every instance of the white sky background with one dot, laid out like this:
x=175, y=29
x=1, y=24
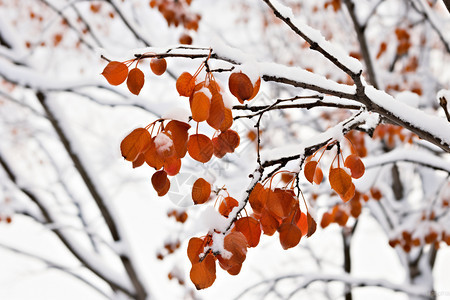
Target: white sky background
x=99, y=131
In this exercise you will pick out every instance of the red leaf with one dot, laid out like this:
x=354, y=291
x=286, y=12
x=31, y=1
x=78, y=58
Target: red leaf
x=172, y=165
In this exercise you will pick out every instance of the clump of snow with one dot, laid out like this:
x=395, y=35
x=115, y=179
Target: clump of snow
x=334, y=50
x=212, y=219
x=177, y=113
x=218, y=245
x=163, y=142
x=409, y=98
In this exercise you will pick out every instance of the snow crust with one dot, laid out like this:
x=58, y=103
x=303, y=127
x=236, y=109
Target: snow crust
x=437, y=126
x=336, y=51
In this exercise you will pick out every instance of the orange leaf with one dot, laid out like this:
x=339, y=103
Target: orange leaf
x=302, y=223
x=269, y=223
x=135, y=143
x=355, y=164
x=227, y=121
x=203, y=274
x=158, y=65
x=256, y=199
x=172, y=165
x=200, y=107
x=218, y=150
x=160, y=182
x=152, y=157
x=340, y=181
x=216, y=111
x=240, y=86
x=281, y=202
x=234, y=270
x=310, y=169
x=227, y=205
x=115, y=72
x=256, y=88
x=201, y=190
x=318, y=176
x=312, y=225
x=194, y=249
x=327, y=218
x=349, y=194
x=235, y=243
x=200, y=147
x=135, y=81
x=139, y=161
x=229, y=140
x=185, y=84
x=250, y=228
x=290, y=235
x=179, y=132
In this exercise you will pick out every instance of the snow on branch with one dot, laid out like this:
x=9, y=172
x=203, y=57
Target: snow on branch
x=421, y=157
